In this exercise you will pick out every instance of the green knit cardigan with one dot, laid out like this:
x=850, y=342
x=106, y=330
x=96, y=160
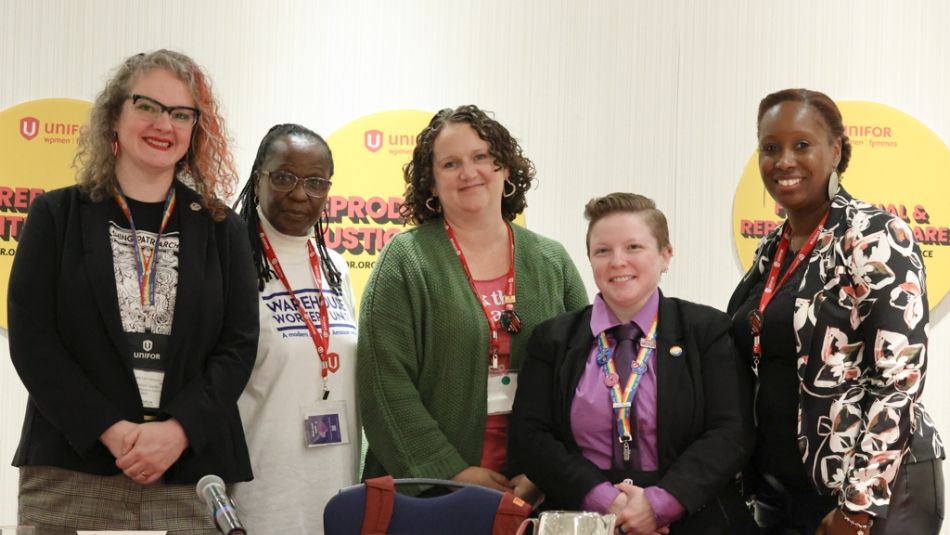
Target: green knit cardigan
x=422, y=357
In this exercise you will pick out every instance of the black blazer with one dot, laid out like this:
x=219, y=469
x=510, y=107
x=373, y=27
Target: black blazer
x=67, y=343
x=704, y=419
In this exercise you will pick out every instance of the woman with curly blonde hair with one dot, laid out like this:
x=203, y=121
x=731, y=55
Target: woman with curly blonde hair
x=131, y=314
x=207, y=166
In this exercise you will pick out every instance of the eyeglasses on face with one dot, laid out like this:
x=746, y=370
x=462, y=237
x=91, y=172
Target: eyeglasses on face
x=284, y=181
x=180, y=116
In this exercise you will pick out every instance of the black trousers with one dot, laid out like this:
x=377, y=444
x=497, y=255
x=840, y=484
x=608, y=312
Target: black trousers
x=916, y=505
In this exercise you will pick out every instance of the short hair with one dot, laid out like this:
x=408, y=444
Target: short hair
x=249, y=202
x=825, y=107
x=207, y=167
x=420, y=177
x=632, y=203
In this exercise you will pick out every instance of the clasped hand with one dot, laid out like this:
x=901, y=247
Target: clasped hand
x=635, y=515
x=519, y=485
x=145, y=451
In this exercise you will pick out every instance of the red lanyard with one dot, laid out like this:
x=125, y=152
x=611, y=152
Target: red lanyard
x=509, y=318
x=320, y=337
x=772, y=283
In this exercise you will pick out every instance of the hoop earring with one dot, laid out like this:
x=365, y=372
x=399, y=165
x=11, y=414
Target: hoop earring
x=514, y=189
x=115, y=144
x=428, y=204
x=833, y=184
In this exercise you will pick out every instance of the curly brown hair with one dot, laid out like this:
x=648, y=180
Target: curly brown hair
x=207, y=167
x=505, y=150
x=825, y=107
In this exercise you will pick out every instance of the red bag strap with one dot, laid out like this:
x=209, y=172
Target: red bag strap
x=511, y=512
x=380, y=497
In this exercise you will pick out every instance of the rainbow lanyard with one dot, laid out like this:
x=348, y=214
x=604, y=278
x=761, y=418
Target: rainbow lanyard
x=146, y=265
x=623, y=398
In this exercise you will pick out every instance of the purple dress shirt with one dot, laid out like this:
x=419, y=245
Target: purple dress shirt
x=594, y=426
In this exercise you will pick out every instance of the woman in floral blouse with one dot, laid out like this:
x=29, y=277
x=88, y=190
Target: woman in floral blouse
x=832, y=318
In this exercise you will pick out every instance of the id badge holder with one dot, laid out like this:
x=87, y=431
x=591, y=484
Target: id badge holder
x=150, y=387
x=148, y=353
x=325, y=423
x=501, y=391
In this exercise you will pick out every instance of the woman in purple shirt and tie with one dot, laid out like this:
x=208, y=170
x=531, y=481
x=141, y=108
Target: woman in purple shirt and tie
x=639, y=404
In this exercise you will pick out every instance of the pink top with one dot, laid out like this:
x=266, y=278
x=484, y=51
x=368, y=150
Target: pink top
x=495, y=440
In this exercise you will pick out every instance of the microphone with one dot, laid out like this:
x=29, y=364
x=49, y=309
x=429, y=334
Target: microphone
x=211, y=492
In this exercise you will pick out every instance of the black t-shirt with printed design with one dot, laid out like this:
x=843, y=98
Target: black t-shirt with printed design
x=147, y=329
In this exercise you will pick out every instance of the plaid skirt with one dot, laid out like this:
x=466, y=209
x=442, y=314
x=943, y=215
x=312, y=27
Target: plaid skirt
x=60, y=502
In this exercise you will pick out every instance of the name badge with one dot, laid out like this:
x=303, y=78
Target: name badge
x=501, y=392
x=150, y=386
x=325, y=424
x=148, y=365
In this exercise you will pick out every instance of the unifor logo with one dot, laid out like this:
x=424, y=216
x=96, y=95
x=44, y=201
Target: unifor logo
x=147, y=345
x=29, y=127
x=333, y=362
x=373, y=139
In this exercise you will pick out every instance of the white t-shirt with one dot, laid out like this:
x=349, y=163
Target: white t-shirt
x=292, y=482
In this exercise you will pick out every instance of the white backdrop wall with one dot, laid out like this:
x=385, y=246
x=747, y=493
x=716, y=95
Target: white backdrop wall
x=657, y=97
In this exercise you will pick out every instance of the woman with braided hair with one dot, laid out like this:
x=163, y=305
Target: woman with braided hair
x=833, y=319
x=298, y=409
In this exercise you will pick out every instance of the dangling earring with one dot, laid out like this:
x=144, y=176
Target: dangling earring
x=428, y=204
x=115, y=144
x=514, y=189
x=833, y=183
x=323, y=224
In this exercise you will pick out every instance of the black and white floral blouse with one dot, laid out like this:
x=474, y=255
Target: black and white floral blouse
x=861, y=325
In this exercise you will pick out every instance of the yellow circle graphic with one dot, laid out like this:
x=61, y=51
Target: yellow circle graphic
x=37, y=145
x=368, y=156
x=897, y=164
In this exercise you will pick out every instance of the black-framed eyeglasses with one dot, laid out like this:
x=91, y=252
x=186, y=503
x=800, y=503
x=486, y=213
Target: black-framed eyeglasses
x=284, y=181
x=180, y=116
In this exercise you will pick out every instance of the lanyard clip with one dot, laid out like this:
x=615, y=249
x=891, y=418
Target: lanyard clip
x=625, y=442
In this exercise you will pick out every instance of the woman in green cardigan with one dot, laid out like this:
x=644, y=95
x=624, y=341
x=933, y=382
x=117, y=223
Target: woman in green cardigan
x=447, y=312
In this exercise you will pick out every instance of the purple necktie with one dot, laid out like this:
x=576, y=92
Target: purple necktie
x=623, y=356
x=625, y=352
